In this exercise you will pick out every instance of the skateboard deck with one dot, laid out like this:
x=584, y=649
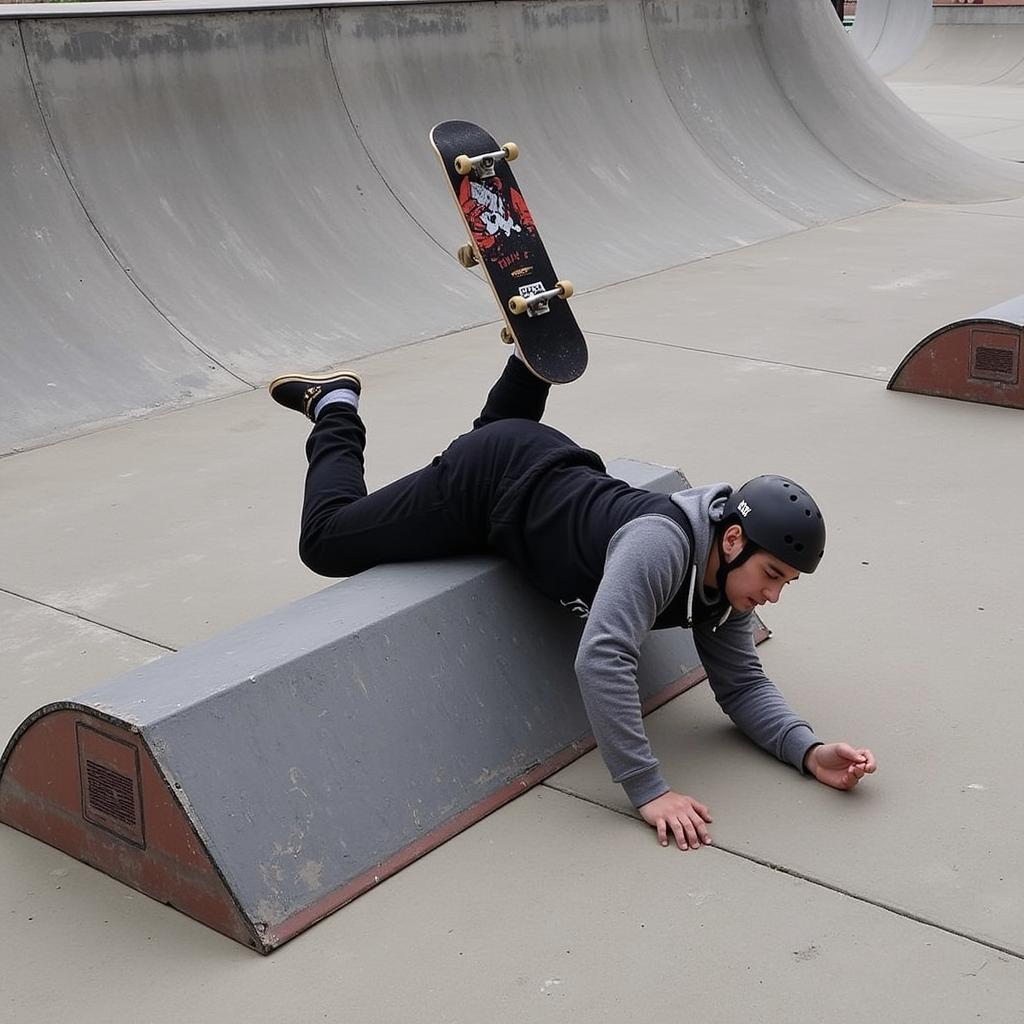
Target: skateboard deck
x=504, y=241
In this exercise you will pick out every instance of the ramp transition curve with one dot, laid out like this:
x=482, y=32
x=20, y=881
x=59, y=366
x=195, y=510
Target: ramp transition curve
x=194, y=201
x=912, y=41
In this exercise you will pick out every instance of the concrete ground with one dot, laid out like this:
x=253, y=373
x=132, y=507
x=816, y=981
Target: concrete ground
x=901, y=901
x=988, y=118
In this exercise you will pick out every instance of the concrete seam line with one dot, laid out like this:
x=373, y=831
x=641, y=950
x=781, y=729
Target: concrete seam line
x=85, y=618
x=1004, y=74
x=986, y=213
x=1007, y=122
x=734, y=355
x=993, y=131
x=885, y=22
x=45, y=121
x=819, y=882
x=37, y=444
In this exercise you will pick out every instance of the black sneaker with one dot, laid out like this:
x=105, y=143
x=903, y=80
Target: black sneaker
x=301, y=392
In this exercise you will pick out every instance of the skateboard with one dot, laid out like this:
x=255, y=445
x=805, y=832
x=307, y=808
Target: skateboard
x=504, y=242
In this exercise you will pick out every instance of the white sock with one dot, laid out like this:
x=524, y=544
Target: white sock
x=345, y=395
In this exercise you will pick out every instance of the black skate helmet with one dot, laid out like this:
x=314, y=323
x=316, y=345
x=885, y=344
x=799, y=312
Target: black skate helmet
x=778, y=516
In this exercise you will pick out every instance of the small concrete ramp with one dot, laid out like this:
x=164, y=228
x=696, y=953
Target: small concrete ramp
x=195, y=200
x=976, y=359
x=264, y=779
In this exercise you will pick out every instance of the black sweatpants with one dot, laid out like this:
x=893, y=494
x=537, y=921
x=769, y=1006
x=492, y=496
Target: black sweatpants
x=443, y=509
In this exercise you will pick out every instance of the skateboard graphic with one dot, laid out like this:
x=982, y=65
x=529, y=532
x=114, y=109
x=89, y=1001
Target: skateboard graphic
x=505, y=243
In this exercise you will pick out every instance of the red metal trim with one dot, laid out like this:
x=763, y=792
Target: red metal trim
x=943, y=364
x=41, y=795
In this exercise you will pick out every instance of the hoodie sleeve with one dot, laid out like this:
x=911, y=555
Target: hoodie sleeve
x=746, y=694
x=645, y=566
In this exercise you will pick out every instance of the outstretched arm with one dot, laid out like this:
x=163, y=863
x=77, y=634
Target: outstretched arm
x=647, y=562
x=755, y=704
x=747, y=695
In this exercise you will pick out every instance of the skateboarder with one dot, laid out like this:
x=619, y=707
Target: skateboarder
x=623, y=559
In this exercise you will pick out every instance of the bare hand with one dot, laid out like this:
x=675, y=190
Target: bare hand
x=839, y=765
x=683, y=815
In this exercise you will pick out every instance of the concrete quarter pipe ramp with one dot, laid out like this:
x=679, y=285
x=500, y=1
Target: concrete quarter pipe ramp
x=886, y=33
x=911, y=41
x=862, y=122
x=969, y=46
x=81, y=343
x=194, y=201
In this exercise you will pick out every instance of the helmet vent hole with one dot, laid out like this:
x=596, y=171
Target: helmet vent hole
x=799, y=547
x=807, y=512
x=793, y=497
x=788, y=538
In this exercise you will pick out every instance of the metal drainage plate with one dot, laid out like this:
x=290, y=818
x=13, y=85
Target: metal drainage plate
x=111, y=790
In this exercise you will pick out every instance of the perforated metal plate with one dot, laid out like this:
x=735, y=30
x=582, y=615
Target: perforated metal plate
x=111, y=790
x=995, y=355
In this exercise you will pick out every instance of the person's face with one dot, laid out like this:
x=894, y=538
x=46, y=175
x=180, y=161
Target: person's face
x=759, y=580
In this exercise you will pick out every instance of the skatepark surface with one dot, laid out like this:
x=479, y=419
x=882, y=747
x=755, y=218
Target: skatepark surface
x=739, y=322
x=960, y=68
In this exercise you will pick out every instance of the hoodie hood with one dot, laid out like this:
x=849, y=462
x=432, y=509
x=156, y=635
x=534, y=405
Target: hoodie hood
x=703, y=507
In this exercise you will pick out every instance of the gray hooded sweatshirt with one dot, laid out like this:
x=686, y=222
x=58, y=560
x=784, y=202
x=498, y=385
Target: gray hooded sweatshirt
x=647, y=563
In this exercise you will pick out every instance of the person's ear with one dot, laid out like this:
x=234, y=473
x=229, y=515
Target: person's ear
x=732, y=541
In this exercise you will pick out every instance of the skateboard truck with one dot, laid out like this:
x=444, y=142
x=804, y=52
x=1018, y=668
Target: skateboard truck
x=539, y=304
x=483, y=165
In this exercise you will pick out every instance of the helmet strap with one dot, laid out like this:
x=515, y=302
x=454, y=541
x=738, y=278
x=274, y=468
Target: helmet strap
x=724, y=567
